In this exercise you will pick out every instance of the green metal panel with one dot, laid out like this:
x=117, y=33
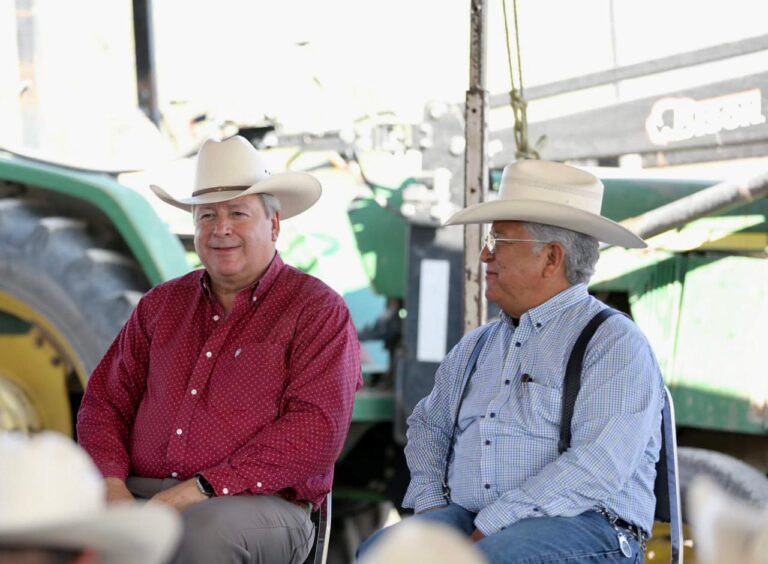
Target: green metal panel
x=157, y=250
x=720, y=373
x=373, y=405
x=381, y=234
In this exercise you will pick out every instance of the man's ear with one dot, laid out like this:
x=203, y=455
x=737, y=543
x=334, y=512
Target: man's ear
x=275, y=226
x=554, y=264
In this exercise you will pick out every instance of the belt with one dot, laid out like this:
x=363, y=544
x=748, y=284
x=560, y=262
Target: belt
x=631, y=528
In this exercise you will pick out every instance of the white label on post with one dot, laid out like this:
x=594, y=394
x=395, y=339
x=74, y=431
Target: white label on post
x=433, y=310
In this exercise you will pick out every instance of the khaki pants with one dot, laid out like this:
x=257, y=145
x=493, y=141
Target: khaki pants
x=260, y=529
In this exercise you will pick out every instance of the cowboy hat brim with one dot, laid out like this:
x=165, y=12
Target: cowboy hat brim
x=296, y=192
x=549, y=213
x=121, y=534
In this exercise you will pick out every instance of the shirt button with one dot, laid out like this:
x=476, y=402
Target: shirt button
x=493, y=415
x=518, y=344
x=538, y=325
x=179, y=431
x=174, y=474
x=258, y=484
x=487, y=486
x=253, y=299
x=487, y=442
x=209, y=354
x=216, y=318
x=225, y=491
x=506, y=382
x=193, y=392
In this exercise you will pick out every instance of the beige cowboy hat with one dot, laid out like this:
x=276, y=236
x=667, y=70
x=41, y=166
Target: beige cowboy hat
x=52, y=497
x=553, y=194
x=233, y=168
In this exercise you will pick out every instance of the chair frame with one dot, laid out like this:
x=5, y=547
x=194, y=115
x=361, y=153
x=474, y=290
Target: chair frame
x=667, y=485
x=322, y=521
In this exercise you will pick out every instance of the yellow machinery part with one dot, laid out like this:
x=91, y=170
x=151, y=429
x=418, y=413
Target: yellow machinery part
x=34, y=368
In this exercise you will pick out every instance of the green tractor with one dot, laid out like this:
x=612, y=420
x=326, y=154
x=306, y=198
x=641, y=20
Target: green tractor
x=78, y=249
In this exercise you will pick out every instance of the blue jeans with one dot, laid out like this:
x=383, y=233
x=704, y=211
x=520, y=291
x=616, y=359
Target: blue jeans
x=588, y=537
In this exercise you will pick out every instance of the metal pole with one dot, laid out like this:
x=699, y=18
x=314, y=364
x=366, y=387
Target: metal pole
x=475, y=165
x=144, y=49
x=717, y=198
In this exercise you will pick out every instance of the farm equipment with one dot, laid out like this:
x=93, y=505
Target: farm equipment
x=78, y=248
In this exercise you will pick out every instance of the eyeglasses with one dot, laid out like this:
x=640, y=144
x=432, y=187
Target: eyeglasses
x=491, y=240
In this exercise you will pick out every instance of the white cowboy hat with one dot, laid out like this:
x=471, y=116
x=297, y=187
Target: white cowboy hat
x=52, y=496
x=233, y=168
x=553, y=194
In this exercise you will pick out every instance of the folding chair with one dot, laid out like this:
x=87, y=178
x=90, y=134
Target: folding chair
x=322, y=521
x=667, y=486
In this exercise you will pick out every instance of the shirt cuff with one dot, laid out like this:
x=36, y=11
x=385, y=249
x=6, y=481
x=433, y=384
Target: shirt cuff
x=113, y=471
x=500, y=515
x=225, y=481
x=427, y=499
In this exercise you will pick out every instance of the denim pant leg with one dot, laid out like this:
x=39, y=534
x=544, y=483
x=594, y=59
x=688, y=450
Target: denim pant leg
x=588, y=537
x=453, y=515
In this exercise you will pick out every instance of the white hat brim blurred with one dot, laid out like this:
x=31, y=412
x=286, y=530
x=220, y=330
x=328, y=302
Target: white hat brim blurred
x=121, y=534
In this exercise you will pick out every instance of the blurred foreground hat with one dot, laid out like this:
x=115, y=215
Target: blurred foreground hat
x=233, y=168
x=52, y=496
x=726, y=528
x=423, y=542
x=553, y=194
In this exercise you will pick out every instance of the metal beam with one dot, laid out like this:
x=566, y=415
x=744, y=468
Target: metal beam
x=714, y=199
x=646, y=68
x=475, y=164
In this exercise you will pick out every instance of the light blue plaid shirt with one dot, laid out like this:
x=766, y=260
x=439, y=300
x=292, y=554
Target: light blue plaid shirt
x=506, y=465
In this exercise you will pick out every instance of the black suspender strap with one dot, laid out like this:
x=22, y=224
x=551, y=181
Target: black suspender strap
x=573, y=375
x=468, y=371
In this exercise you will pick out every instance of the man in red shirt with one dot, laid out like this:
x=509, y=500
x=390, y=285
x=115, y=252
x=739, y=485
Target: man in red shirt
x=228, y=394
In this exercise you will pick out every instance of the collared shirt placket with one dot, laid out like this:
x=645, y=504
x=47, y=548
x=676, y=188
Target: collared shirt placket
x=490, y=426
x=219, y=329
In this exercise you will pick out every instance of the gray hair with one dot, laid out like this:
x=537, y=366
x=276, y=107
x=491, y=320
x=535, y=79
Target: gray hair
x=271, y=204
x=581, y=251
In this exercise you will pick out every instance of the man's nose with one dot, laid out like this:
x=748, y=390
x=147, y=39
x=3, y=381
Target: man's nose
x=485, y=254
x=223, y=226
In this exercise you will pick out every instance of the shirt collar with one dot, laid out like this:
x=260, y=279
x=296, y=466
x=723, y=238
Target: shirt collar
x=540, y=315
x=255, y=290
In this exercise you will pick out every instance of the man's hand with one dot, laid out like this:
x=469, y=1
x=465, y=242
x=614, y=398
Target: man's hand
x=182, y=496
x=477, y=536
x=117, y=492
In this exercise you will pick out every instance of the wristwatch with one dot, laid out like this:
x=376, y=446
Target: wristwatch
x=204, y=486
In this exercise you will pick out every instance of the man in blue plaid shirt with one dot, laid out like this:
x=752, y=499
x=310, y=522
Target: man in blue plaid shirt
x=484, y=456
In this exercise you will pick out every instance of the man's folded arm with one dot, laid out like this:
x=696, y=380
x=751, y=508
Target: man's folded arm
x=429, y=435
x=112, y=398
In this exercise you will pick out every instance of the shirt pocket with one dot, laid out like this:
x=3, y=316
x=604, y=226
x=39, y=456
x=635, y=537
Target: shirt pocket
x=542, y=409
x=251, y=378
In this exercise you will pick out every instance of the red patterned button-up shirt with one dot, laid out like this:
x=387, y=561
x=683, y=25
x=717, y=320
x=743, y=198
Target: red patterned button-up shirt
x=259, y=401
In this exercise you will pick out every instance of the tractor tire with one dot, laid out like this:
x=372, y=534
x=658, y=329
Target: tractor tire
x=736, y=477
x=74, y=285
